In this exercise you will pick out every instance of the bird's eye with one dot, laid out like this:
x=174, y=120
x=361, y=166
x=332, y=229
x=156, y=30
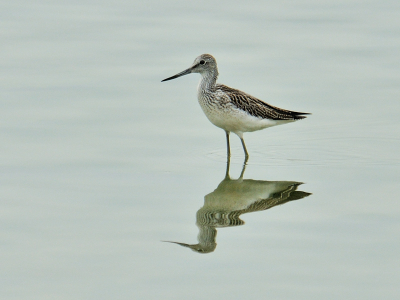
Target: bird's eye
x=202, y=62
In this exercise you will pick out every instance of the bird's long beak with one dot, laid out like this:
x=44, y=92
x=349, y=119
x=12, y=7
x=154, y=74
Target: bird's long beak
x=187, y=71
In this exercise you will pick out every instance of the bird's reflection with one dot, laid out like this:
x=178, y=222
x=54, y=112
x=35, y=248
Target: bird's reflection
x=234, y=197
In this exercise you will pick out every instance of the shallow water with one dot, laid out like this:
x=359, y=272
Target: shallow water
x=101, y=162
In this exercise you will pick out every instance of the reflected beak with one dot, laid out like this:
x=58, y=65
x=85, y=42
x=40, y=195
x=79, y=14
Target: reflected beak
x=182, y=244
x=187, y=71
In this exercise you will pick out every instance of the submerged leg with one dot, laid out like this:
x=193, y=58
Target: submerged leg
x=246, y=154
x=228, y=147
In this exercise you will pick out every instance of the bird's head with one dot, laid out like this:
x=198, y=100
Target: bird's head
x=204, y=63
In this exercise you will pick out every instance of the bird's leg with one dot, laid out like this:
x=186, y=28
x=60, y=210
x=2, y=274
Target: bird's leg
x=246, y=158
x=246, y=154
x=228, y=147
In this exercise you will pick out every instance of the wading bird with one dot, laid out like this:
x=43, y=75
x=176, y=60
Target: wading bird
x=231, y=109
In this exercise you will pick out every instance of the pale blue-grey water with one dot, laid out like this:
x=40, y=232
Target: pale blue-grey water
x=101, y=162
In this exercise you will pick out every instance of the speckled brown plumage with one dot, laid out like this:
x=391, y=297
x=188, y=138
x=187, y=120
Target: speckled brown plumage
x=258, y=108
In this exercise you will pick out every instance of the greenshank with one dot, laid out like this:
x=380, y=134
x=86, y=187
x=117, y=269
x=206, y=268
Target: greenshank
x=231, y=109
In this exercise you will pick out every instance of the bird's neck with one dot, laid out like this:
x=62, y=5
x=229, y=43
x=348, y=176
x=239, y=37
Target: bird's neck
x=208, y=81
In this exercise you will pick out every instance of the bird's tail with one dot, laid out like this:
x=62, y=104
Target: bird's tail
x=299, y=115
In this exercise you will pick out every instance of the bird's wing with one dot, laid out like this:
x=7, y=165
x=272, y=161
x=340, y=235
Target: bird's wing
x=258, y=108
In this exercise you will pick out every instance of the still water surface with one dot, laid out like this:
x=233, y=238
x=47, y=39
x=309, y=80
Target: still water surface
x=101, y=162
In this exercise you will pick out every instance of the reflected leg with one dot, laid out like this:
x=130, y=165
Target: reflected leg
x=244, y=167
x=228, y=164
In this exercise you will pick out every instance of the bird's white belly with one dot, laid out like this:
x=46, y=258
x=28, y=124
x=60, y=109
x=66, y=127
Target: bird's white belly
x=235, y=120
